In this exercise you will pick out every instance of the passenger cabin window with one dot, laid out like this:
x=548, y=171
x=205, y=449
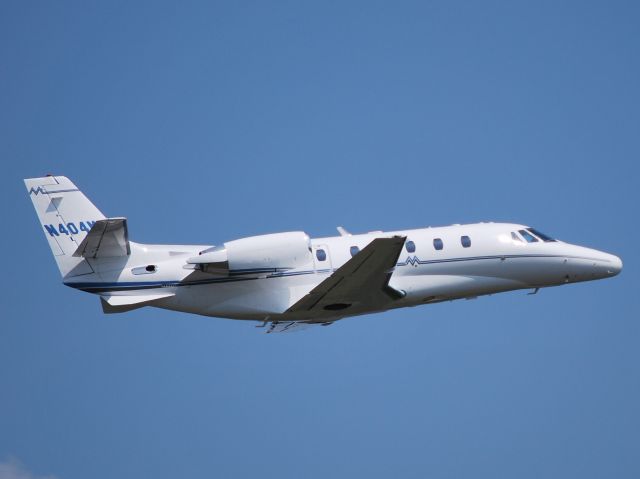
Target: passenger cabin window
x=438, y=244
x=466, y=241
x=515, y=237
x=321, y=255
x=541, y=235
x=354, y=250
x=411, y=246
x=529, y=238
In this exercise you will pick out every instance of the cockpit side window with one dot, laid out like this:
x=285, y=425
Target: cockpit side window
x=529, y=238
x=515, y=237
x=542, y=236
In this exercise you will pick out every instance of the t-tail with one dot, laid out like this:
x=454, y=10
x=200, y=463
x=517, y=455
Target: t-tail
x=94, y=253
x=73, y=226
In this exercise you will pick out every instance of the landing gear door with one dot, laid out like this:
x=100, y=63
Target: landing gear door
x=321, y=258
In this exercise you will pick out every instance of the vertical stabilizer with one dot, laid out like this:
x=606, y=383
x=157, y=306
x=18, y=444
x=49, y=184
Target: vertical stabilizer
x=66, y=215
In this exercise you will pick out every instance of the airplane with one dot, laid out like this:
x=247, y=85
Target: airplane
x=289, y=280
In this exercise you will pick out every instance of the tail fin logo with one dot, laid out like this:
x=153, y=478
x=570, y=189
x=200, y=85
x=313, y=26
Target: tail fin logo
x=35, y=191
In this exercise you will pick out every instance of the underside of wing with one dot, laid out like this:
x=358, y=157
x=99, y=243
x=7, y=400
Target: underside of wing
x=107, y=238
x=289, y=326
x=362, y=282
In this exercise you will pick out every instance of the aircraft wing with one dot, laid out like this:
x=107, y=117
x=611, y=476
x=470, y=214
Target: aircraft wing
x=106, y=238
x=364, y=279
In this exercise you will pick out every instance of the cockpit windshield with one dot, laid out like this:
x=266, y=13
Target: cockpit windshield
x=529, y=238
x=516, y=238
x=541, y=235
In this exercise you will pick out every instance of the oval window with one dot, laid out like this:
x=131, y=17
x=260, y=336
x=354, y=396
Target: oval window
x=354, y=250
x=438, y=244
x=411, y=246
x=321, y=255
x=466, y=241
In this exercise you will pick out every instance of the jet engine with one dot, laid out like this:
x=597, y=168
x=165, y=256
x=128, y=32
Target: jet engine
x=256, y=254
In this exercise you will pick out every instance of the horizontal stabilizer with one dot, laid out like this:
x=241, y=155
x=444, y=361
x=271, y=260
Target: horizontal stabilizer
x=120, y=303
x=107, y=238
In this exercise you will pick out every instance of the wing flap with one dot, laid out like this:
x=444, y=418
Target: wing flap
x=107, y=238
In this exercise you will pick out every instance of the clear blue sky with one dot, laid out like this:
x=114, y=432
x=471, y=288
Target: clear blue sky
x=203, y=122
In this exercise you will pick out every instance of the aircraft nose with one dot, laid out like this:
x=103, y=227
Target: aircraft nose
x=615, y=264
x=588, y=264
x=608, y=264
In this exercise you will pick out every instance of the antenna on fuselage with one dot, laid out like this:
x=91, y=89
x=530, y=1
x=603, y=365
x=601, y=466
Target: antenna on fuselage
x=342, y=231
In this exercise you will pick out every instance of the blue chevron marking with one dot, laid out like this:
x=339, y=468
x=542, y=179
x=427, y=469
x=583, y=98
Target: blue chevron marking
x=40, y=189
x=35, y=191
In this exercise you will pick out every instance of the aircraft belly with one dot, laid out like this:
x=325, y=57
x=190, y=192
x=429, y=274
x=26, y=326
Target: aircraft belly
x=482, y=276
x=437, y=287
x=248, y=299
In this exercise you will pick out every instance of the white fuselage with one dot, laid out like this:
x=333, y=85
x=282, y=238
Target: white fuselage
x=496, y=258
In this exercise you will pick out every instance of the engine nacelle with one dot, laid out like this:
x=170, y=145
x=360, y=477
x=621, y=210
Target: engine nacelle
x=257, y=254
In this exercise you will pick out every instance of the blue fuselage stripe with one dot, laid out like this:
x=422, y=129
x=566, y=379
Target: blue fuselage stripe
x=103, y=287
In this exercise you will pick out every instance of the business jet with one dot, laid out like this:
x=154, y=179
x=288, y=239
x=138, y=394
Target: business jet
x=288, y=280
